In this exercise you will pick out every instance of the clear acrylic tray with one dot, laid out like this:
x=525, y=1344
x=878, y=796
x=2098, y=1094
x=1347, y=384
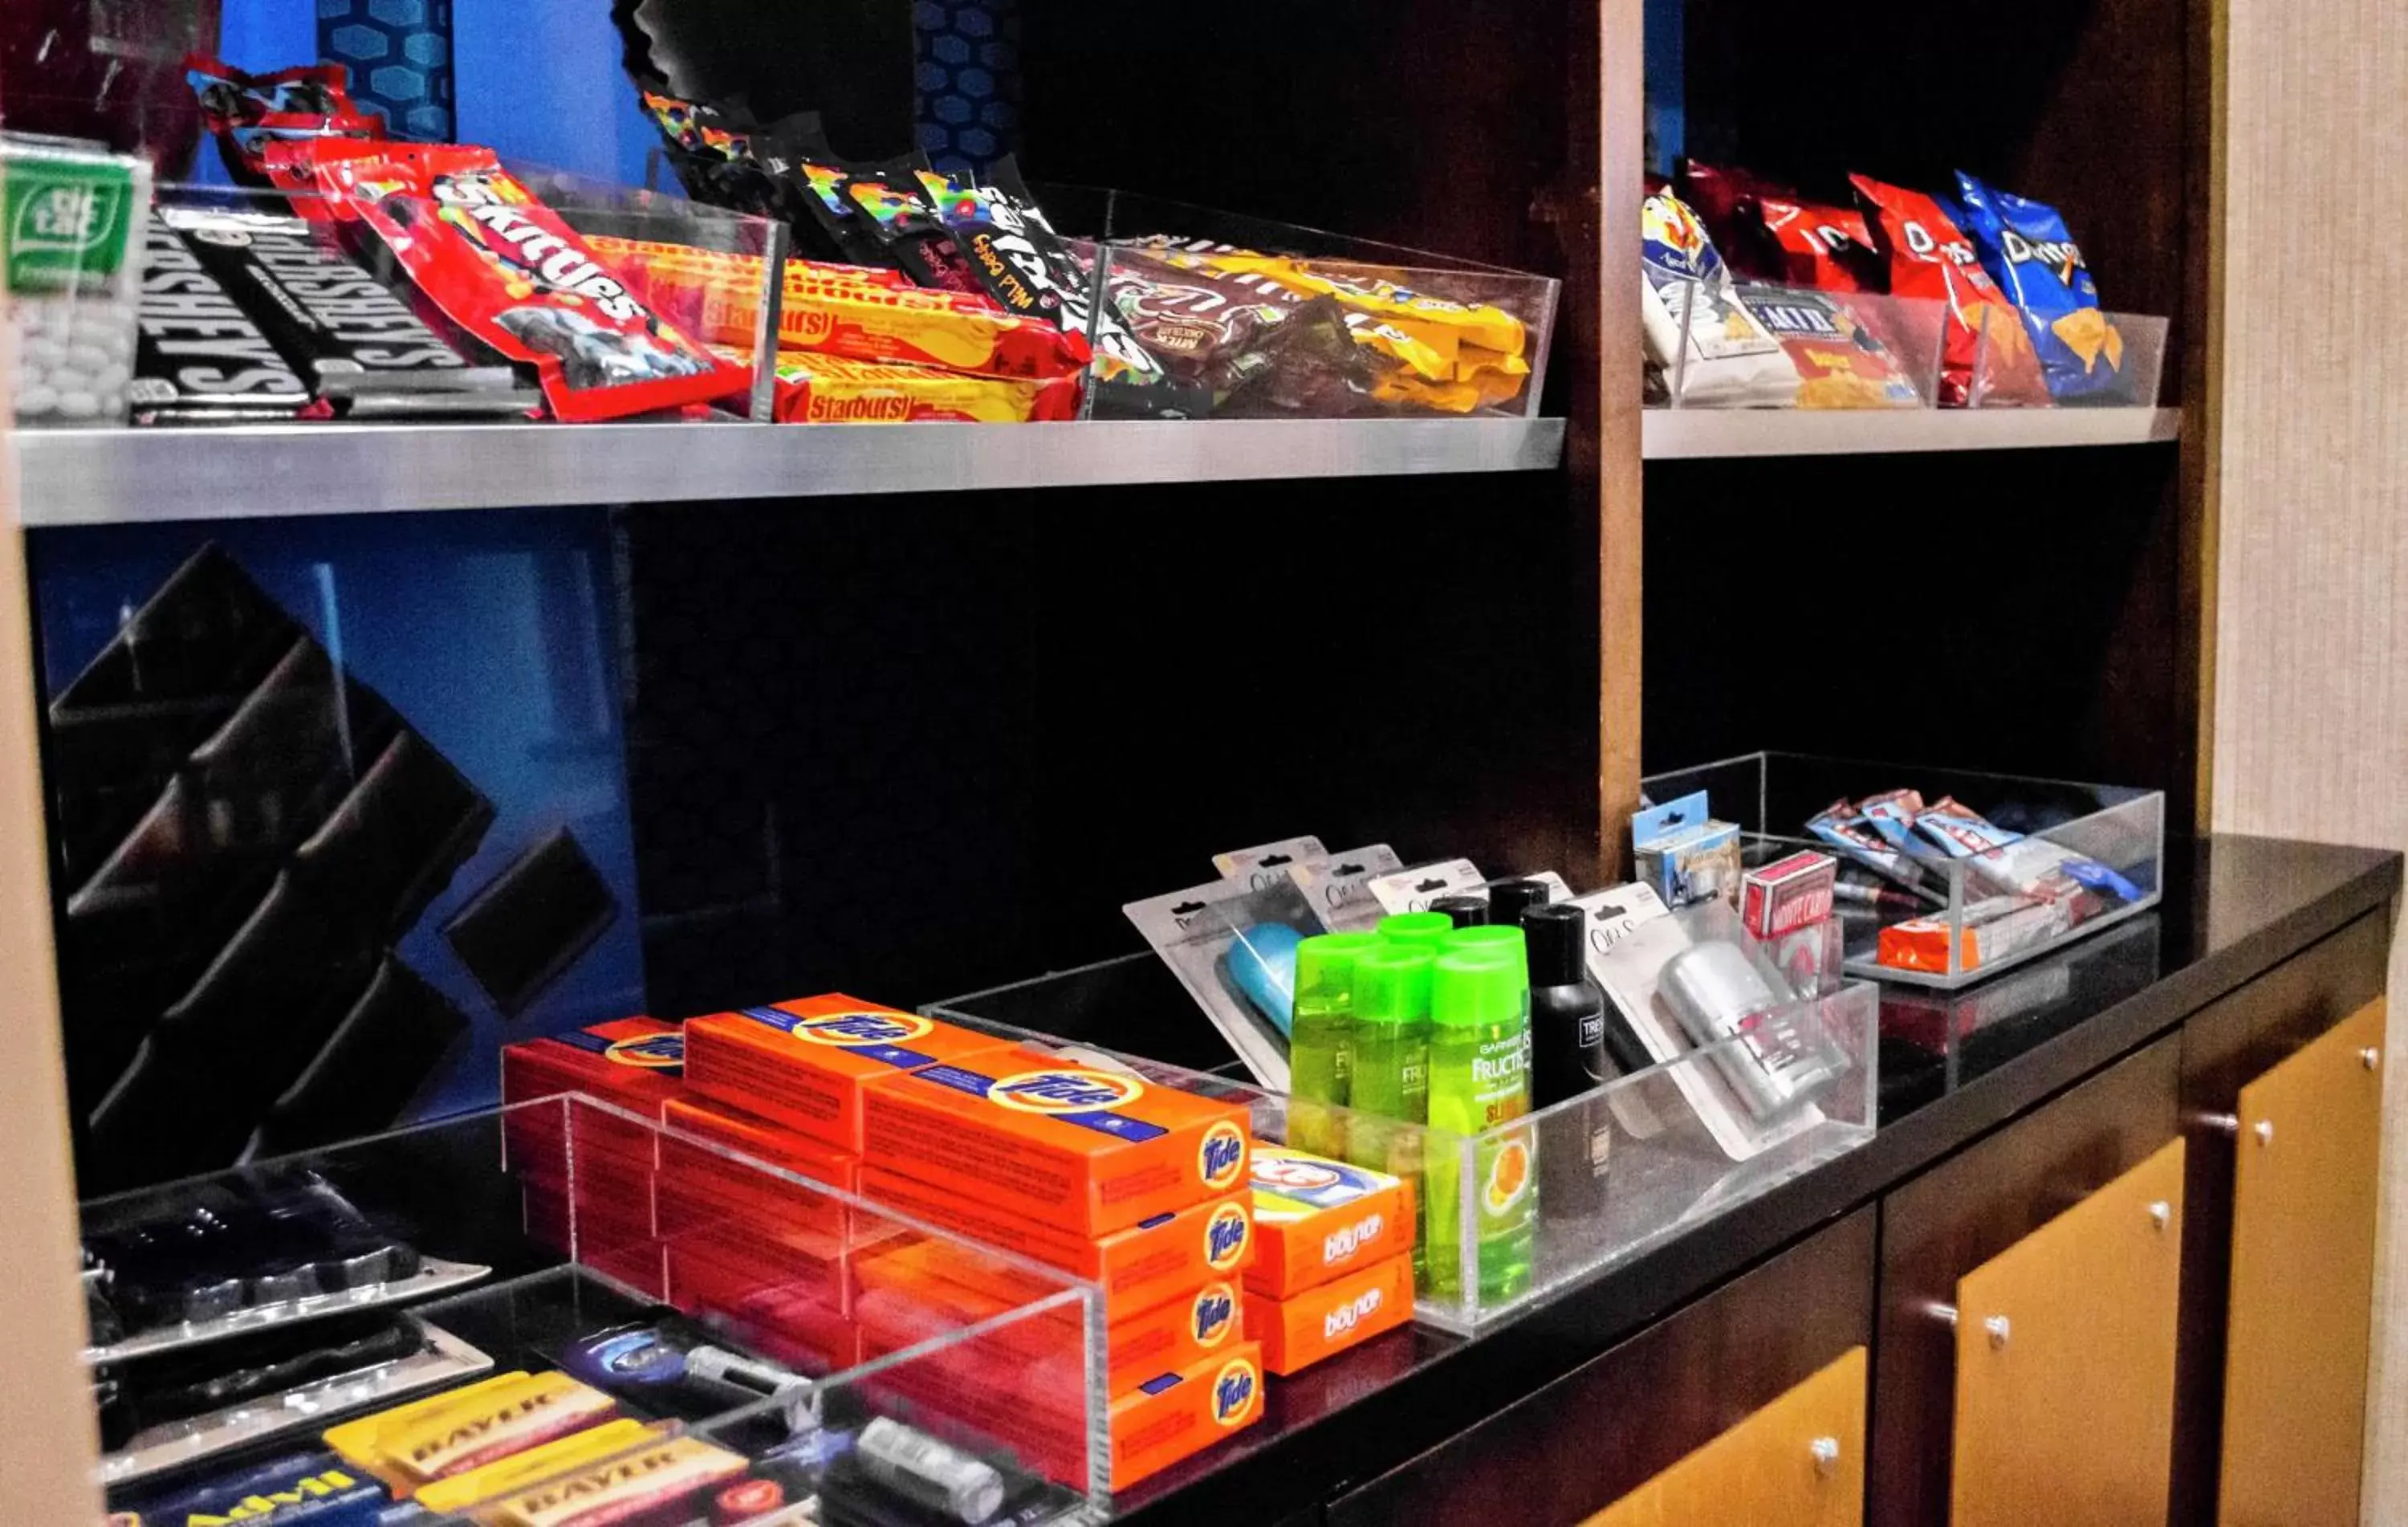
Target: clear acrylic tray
x=1943, y=922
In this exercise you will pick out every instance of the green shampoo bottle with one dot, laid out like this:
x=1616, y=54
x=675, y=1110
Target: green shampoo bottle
x=1479, y=1085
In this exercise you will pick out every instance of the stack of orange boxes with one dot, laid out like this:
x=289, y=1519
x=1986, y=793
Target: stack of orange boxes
x=1336, y=1263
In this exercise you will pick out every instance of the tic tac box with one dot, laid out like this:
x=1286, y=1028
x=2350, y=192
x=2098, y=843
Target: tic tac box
x=1179, y=1415
x=698, y=1183
x=803, y=1064
x=1316, y=1220
x=1068, y=1147
x=1158, y=1258
x=1298, y=1331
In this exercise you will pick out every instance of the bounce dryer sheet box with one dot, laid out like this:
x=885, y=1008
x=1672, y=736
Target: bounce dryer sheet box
x=804, y=1063
x=1158, y=1258
x=1298, y=1331
x=1318, y=1219
x=1066, y=1147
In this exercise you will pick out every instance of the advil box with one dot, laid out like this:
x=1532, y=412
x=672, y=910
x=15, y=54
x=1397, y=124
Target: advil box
x=1319, y=1322
x=1140, y=1268
x=803, y=1064
x=1316, y=1220
x=1068, y=1147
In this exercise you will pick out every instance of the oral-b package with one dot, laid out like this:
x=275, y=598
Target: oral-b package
x=1233, y=947
x=2028, y=252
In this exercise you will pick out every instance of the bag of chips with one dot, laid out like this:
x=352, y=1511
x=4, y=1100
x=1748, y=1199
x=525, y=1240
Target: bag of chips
x=1711, y=351
x=1986, y=360
x=1842, y=361
x=1826, y=249
x=2027, y=251
x=1724, y=200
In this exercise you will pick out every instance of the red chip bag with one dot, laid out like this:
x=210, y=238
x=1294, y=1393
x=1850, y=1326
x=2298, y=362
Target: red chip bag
x=1930, y=258
x=1824, y=249
x=1725, y=201
x=504, y=266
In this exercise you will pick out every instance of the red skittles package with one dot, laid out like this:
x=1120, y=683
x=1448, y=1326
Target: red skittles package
x=502, y=266
x=1986, y=360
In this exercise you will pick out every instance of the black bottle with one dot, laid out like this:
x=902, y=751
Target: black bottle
x=1568, y=1053
x=1465, y=911
x=1568, y=1058
x=1508, y=899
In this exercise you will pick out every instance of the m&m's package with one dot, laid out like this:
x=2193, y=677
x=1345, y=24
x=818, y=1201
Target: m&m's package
x=1986, y=360
x=1709, y=348
x=2027, y=251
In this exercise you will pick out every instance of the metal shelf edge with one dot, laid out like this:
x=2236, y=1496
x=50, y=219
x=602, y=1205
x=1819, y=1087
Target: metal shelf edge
x=1678, y=434
x=123, y=476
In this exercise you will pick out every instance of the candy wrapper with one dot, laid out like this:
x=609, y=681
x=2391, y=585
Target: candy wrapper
x=2026, y=250
x=902, y=220
x=1119, y=358
x=505, y=268
x=815, y=389
x=1711, y=350
x=1840, y=361
x=248, y=112
x=198, y=357
x=1929, y=258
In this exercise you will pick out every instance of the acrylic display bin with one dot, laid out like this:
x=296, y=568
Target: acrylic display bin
x=1770, y=795
x=1177, y=273
x=1512, y=1215
x=1751, y=345
x=553, y=1220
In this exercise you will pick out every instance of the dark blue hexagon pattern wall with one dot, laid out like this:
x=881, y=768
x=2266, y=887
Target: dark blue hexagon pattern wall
x=399, y=52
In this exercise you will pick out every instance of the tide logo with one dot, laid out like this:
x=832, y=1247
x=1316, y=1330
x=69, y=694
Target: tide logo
x=654, y=1052
x=1224, y=1236
x=848, y=1029
x=1070, y=1090
x=1233, y=1394
x=1294, y=1174
x=1213, y=1315
x=1222, y=1155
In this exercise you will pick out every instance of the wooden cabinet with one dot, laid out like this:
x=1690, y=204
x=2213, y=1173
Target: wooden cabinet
x=1769, y=1351
x=1943, y=1225
x=1798, y=1462
x=2303, y=1280
x=2065, y=1363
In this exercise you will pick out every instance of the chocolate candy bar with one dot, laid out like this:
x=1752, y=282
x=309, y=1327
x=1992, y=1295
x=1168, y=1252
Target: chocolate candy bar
x=339, y=327
x=198, y=358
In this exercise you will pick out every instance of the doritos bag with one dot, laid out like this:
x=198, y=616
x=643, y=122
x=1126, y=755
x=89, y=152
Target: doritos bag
x=2025, y=247
x=1826, y=249
x=504, y=266
x=1930, y=258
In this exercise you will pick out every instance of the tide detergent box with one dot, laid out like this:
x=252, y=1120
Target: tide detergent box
x=1316, y=1220
x=1298, y=1331
x=698, y=1183
x=803, y=1064
x=1156, y=1259
x=1069, y=1147
x=1179, y=1415
x=636, y=1064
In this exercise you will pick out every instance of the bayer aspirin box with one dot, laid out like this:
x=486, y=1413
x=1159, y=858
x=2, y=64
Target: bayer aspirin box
x=1316, y=1220
x=804, y=1063
x=1065, y=1145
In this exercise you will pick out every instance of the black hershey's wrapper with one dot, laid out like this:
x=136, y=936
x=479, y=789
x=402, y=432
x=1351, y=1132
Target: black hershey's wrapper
x=363, y=347
x=197, y=356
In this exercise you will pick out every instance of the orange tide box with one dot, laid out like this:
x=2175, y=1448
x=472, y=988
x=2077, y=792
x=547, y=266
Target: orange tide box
x=803, y=1065
x=1316, y=1220
x=1179, y=1415
x=637, y=1064
x=1298, y=1331
x=1140, y=1267
x=1069, y=1147
x=698, y=1185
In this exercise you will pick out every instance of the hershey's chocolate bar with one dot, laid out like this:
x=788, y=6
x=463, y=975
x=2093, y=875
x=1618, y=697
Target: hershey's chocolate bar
x=197, y=355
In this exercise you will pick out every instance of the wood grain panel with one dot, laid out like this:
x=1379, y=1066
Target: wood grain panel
x=2302, y=1273
x=2311, y=511
x=2065, y=1364
x=1798, y=1462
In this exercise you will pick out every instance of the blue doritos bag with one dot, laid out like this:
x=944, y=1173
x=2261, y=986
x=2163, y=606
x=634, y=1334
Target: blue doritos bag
x=2025, y=247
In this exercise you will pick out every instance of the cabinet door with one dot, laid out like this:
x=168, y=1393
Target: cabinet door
x=1798, y=1462
x=2310, y=1147
x=2065, y=1364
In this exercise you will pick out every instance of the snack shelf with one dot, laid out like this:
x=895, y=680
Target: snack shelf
x=1690, y=434
x=121, y=476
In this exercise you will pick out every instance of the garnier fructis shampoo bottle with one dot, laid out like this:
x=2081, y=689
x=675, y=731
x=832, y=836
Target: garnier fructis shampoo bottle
x=1479, y=1080
x=1390, y=1084
x=1321, y=1043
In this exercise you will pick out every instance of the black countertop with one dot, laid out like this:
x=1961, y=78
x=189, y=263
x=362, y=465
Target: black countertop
x=1953, y=1066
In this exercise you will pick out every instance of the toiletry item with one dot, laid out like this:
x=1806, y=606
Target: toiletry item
x=1986, y=933
x=1319, y=1219
x=1391, y=1078
x=1494, y=941
x=1462, y=911
x=1413, y=890
x=1323, y=1322
x=1789, y=894
x=1242, y=863
x=935, y=1473
x=1568, y=1058
x=1321, y=1046
x=2019, y=865
x=1339, y=886
x=1480, y=1083
x=1420, y=927
x=669, y=1368
x=1717, y=992
x=1261, y=963
x=1684, y=853
x=1508, y=899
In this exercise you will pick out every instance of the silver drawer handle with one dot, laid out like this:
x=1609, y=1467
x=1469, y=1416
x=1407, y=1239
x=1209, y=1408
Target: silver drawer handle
x=2264, y=1130
x=1827, y=1454
x=2161, y=1214
x=1999, y=1329
x=2370, y=1057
